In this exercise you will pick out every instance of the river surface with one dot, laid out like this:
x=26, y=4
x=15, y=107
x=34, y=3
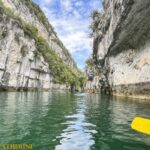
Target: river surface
x=65, y=121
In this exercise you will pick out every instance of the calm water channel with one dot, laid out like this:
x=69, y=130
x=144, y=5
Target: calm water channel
x=65, y=121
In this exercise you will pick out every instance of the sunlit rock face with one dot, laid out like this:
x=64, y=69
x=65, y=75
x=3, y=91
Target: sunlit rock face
x=22, y=67
x=121, y=47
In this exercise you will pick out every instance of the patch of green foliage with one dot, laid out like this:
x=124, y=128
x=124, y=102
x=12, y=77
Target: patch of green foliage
x=30, y=30
x=95, y=16
x=59, y=69
x=90, y=62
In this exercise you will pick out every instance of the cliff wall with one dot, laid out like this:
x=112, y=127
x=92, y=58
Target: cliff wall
x=121, y=47
x=32, y=56
x=31, y=13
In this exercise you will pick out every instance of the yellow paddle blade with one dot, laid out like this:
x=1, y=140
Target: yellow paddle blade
x=141, y=125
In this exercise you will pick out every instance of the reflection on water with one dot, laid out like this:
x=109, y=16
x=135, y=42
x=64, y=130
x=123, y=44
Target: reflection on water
x=78, y=133
x=65, y=121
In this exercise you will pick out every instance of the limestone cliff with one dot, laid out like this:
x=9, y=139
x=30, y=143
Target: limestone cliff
x=121, y=47
x=31, y=54
x=93, y=74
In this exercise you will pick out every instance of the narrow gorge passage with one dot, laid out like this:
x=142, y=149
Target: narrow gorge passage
x=75, y=74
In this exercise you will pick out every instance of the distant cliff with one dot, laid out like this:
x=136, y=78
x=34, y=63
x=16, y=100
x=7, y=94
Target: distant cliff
x=121, y=47
x=31, y=54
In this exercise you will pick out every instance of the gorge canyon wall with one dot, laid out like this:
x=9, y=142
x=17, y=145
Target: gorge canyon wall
x=23, y=30
x=121, y=48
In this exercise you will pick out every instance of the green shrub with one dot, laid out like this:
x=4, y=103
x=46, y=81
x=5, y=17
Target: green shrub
x=95, y=16
x=59, y=69
x=90, y=62
x=30, y=30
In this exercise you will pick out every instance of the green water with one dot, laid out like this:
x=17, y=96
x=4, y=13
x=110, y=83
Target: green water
x=65, y=121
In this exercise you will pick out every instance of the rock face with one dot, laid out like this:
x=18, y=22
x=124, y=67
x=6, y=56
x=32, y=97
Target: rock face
x=22, y=67
x=25, y=10
x=121, y=47
x=93, y=84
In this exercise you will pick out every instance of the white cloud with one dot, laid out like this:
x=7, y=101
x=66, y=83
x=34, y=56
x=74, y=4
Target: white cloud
x=47, y=1
x=70, y=19
x=78, y=3
x=67, y=5
x=73, y=32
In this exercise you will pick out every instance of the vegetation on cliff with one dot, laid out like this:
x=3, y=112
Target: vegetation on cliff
x=61, y=73
x=36, y=10
x=90, y=65
x=90, y=62
x=95, y=16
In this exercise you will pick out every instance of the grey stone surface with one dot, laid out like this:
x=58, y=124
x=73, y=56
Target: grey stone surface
x=121, y=47
x=22, y=67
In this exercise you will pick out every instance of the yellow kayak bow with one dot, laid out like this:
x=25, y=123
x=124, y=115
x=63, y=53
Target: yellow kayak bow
x=141, y=125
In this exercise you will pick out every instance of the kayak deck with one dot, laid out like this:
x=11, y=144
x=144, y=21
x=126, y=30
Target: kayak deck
x=141, y=125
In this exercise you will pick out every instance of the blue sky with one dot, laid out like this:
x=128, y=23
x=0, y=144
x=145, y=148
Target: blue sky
x=70, y=19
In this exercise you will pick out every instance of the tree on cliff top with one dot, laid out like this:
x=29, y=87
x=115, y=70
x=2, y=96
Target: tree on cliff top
x=95, y=16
